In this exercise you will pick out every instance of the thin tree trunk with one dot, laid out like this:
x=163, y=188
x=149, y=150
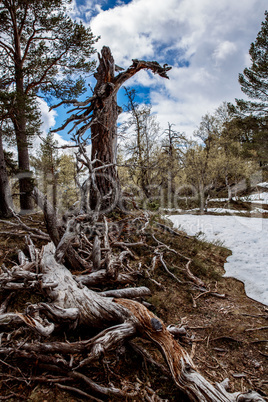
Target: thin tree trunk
x=5, y=193
x=202, y=198
x=54, y=183
x=229, y=188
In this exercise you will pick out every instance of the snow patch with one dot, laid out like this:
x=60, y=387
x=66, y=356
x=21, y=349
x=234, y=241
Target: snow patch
x=264, y=185
x=245, y=237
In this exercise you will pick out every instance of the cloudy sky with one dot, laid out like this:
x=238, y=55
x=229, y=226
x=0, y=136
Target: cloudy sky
x=205, y=41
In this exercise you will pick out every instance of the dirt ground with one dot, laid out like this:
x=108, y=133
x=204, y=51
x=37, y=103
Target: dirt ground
x=226, y=336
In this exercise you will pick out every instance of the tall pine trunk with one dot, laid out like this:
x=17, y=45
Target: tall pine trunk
x=19, y=122
x=24, y=175
x=5, y=193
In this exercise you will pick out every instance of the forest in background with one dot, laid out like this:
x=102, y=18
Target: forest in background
x=225, y=157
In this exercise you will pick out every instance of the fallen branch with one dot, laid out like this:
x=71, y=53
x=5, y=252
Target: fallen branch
x=128, y=293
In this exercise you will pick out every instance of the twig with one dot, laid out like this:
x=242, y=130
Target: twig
x=168, y=271
x=99, y=388
x=255, y=329
x=12, y=395
x=211, y=292
x=23, y=234
x=191, y=276
x=194, y=302
x=193, y=350
x=228, y=338
x=78, y=391
x=170, y=249
x=28, y=228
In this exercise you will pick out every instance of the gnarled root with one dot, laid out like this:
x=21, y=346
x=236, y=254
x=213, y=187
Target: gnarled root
x=119, y=318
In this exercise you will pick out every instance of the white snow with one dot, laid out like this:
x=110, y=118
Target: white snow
x=233, y=211
x=219, y=211
x=261, y=198
x=245, y=237
x=264, y=184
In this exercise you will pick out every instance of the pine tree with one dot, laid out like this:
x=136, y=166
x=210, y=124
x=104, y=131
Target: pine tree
x=46, y=164
x=67, y=181
x=41, y=51
x=254, y=80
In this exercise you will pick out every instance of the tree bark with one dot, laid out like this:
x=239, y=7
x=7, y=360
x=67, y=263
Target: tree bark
x=19, y=122
x=5, y=193
x=104, y=128
x=24, y=175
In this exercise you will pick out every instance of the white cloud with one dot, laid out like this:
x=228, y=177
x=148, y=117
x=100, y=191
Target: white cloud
x=48, y=118
x=223, y=50
x=206, y=42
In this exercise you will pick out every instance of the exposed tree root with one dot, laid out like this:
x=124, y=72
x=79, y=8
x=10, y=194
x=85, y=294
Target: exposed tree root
x=121, y=319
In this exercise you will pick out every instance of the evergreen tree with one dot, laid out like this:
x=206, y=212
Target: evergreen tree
x=41, y=51
x=254, y=80
x=251, y=131
x=67, y=182
x=46, y=164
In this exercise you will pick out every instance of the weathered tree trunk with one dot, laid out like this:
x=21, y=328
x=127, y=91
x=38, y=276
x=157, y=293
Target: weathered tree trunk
x=99, y=113
x=5, y=193
x=104, y=127
x=104, y=119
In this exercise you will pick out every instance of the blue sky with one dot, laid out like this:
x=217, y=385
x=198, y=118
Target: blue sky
x=205, y=41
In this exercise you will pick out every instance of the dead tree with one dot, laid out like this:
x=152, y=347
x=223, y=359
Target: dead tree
x=99, y=113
